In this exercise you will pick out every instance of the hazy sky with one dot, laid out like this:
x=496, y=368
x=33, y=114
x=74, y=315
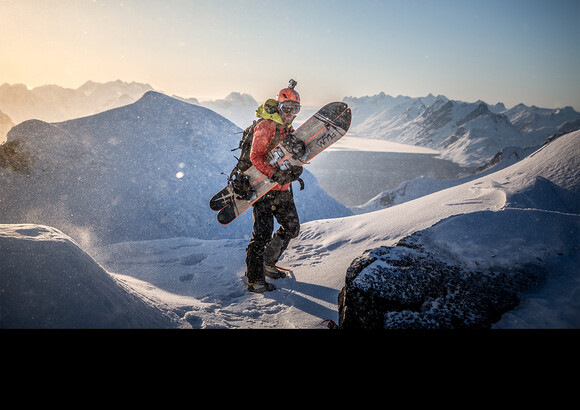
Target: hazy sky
x=507, y=50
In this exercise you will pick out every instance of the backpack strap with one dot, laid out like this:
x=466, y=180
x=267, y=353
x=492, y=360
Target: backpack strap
x=276, y=139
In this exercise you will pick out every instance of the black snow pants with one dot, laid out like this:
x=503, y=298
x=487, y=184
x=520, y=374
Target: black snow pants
x=265, y=249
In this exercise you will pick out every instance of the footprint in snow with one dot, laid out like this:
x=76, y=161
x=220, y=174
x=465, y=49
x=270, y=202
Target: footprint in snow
x=192, y=259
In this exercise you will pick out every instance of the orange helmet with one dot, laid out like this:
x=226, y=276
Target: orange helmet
x=288, y=94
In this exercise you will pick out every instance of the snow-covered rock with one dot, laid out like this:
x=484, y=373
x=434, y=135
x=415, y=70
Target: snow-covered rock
x=442, y=279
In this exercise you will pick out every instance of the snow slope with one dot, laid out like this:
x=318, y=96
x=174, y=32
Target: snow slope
x=321, y=254
x=49, y=282
x=524, y=213
x=423, y=185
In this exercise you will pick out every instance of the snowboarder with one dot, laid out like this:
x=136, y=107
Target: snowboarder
x=264, y=250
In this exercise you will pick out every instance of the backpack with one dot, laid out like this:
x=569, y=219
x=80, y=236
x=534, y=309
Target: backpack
x=239, y=181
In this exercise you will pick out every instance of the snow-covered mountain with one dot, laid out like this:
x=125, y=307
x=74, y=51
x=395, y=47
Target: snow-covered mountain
x=237, y=107
x=537, y=122
x=469, y=134
x=5, y=125
x=141, y=171
x=506, y=243
x=52, y=103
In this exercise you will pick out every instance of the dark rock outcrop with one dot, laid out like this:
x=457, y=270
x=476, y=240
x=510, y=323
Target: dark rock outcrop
x=407, y=287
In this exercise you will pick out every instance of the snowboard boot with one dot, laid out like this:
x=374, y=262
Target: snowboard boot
x=260, y=287
x=275, y=272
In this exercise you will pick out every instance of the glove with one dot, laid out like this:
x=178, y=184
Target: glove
x=295, y=172
x=286, y=176
x=281, y=177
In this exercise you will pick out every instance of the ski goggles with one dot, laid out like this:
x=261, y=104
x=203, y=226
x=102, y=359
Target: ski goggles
x=289, y=107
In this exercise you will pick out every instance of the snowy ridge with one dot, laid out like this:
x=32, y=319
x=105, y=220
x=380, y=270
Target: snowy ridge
x=237, y=107
x=423, y=185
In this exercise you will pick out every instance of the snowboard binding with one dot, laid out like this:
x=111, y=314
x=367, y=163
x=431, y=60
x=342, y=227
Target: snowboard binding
x=242, y=186
x=297, y=147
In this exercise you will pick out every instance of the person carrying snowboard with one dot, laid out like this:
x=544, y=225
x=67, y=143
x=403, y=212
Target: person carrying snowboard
x=264, y=250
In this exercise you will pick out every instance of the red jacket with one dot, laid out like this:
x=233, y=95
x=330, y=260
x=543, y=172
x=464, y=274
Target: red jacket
x=264, y=134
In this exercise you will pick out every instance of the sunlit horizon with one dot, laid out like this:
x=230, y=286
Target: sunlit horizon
x=510, y=51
